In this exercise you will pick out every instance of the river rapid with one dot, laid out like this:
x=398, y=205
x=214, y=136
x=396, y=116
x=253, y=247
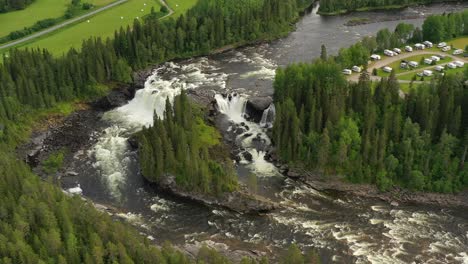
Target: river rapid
x=342, y=228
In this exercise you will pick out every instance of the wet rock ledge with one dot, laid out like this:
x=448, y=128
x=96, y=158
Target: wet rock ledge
x=240, y=201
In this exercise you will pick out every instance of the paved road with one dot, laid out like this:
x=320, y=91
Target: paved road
x=389, y=60
x=64, y=24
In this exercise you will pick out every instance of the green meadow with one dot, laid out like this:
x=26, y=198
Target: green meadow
x=39, y=10
x=103, y=24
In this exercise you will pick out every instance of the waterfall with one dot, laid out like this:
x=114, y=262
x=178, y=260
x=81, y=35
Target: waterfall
x=253, y=137
x=233, y=106
x=112, y=152
x=268, y=116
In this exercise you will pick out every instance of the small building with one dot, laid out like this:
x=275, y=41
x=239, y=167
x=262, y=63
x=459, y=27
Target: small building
x=442, y=45
x=397, y=50
x=356, y=69
x=413, y=64
x=389, y=53
x=428, y=61
x=439, y=68
x=347, y=72
x=419, y=46
x=427, y=73
x=428, y=44
x=387, y=69
x=451, y=65
x=408, y=48
x=435, y=58
x=375, y=57
x=459, y=64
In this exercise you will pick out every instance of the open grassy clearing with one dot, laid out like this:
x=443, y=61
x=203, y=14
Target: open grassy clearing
x=180, y=6
x=459, y=43
x=39, y=10
x=409, y=76
x=103, y=24
x=417, y=58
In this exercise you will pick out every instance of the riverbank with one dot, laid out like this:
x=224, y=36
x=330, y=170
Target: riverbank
x=383, y=8
x=395, y=196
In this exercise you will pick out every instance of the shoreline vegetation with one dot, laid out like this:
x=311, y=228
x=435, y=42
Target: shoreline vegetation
x=367, y=131
x=334, y=7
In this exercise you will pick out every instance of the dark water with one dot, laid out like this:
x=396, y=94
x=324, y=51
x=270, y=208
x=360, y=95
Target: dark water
x=344, y=229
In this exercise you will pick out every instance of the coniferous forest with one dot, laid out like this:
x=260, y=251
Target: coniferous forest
x=38, y=223
x=182, y=145
x=373, y=133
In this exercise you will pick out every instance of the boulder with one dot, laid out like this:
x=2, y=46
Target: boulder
x=259, y=103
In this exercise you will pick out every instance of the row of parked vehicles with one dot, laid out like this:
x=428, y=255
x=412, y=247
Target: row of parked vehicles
x=396, y=51
x=440, y=68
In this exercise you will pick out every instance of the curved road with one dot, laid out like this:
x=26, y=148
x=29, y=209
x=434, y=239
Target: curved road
x=389, y=60
x=73, y=20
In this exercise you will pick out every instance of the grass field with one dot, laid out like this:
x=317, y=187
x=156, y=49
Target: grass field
x=409, y=76
x=459, y=43
x=103, y=24
x=39, y=10
x=180, y=6
x=417, y=58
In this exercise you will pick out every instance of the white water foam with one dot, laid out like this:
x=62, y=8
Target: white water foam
x=233, y=106
x=112, y=152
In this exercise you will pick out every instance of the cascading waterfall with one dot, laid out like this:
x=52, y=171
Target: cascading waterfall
x=253, y=137
x=268, y=116
x=112, y=152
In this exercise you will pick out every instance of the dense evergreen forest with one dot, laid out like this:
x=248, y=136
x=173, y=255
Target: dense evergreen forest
x=369, y=132
x=9, y=5
x=182, y=145
x=342, y=6
x=38, y=223
x=33, y=79
x=435, y=28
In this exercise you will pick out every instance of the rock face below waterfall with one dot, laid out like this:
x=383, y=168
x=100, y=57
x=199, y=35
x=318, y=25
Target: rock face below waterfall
x=240, y=201
x=256, y=105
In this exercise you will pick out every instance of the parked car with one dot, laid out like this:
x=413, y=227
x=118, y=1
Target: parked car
x=428, y=61
x=375, y=57
x=441, y=45
x=356, y=69
x=387, y=69
x=420, y=74
x=413, y=64
x=427, y=73
x=435, y=58
x=439, y=68
x=404, y=65
x=428, y=44
x=458, y=52
x=347, y=72
x=446, y=48
x=397, y=50
x=459, y=64
x=389, y=53
x=419, y=46
x=451, y=65
x=408, y=48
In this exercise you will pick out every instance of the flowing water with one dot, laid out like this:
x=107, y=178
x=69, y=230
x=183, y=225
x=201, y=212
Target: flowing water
x=342, y=228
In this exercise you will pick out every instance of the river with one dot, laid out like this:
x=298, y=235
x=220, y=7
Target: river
x=343, y=229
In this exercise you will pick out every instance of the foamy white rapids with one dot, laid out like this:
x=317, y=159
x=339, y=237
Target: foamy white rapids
x=233, y=106
x=112, y=152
